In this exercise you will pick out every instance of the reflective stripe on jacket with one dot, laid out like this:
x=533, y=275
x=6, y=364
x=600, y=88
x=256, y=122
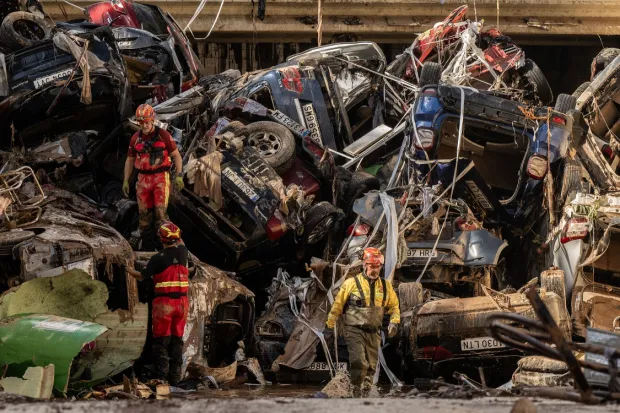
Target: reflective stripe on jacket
x=349, y=291
x=172, y=280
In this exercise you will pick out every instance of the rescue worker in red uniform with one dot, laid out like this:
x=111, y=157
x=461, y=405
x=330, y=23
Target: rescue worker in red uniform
x=150, y=150
x=169, y=272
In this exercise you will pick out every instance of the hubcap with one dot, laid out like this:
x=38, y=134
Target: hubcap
x=266, y=143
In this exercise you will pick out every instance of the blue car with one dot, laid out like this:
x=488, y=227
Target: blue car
x=513, y=146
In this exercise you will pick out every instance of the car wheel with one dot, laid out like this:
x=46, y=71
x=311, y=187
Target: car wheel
x=275, y=143
x=430, y=74
x=10, y=239
x=536, y=82
x=361, y=183
x=410, y=295
x=565, y=102
x=22, y=29
x=319, y=220
x=571, y=182
x=582, y=88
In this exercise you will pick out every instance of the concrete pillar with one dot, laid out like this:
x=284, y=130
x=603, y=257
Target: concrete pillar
x=280, y=52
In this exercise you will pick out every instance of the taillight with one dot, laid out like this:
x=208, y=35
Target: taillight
x=88, y=347
x=424, y=140
x=575, y=228
x=608, y=152
x=436, y=353
x=465, y=225
x=358, y=230
x=558, y=119
x=275, y=228
x=537, y=167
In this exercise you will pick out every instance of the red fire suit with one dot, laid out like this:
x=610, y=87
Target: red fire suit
x=169, y=272
x=152, y=153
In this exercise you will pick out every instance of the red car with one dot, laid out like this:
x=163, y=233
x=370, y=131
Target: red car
x=445, y=41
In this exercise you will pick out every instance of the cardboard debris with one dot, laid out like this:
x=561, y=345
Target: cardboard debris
x=37, y=383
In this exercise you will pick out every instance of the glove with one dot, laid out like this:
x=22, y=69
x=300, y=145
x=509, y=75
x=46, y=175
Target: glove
x=178, y=182
x=126, y=188
x=392, y=330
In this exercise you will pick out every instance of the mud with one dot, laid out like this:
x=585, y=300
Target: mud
x=286, y=405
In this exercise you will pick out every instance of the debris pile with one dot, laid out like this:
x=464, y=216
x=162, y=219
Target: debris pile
x=489, y=206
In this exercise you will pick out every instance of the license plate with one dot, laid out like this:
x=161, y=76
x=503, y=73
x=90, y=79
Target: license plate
x=422, y=253
x=480, y=343
x=319, y=366
x=241, y=184
x=289, y=123
x=312, y=123
x=42, y=81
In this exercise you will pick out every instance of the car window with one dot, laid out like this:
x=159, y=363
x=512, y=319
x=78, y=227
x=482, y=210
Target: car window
x=264, y=97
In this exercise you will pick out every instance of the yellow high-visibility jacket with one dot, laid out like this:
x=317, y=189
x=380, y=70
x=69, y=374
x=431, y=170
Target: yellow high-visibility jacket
x=349, y=287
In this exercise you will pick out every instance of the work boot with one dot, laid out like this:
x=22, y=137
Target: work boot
x=176, y=360
x=160, y=357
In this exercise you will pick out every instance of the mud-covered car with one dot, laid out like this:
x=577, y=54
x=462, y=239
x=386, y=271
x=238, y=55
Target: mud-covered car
x=584, y=242
x=45, y=92
x=159, y=56
x=444, y=336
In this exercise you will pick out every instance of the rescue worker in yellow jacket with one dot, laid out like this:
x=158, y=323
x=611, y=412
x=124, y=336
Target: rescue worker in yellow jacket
x=363, y=299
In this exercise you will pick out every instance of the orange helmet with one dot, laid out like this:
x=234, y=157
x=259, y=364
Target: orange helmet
x=169, y=233
x=373, y=256
x=145, y=113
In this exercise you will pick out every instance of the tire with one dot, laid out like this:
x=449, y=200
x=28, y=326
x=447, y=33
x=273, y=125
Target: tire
x=8, y=240
x=410, y=295
x=430, y=74
x=21, y=29
x=565, y=102
x=571, y=181
x=582, y=88
x=602, y=60
x=235, y=127
x=275, y=143
x=319, y=220
x=536, y=82
x=361, y=183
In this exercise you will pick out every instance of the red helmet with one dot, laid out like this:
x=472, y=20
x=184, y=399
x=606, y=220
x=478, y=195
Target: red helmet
x=373, y=256
x=169, y=233
x=145, y=113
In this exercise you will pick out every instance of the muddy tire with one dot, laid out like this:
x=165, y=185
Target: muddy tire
x=565, y=102
x=602, y=60
x=319, y=220
x=430, y=74
x=361, y=183
x=582, y=88
x=410, y=295
x=536, y=82
x=571, y=181
x=21, y=29
x=8, y=240
x=235, y=127
x=275, y=143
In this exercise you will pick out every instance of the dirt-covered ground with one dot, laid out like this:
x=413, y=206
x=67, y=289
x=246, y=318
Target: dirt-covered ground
x=303, y=405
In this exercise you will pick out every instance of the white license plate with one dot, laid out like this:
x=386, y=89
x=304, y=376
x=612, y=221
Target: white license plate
x=480, y=343
x=241, y=184
x=319, y=366
x=42, y=81
x=422, y=253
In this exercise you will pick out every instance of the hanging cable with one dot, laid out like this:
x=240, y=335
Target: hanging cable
x=212, y=26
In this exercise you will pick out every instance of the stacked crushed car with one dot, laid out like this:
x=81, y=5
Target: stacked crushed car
x=448, y=159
